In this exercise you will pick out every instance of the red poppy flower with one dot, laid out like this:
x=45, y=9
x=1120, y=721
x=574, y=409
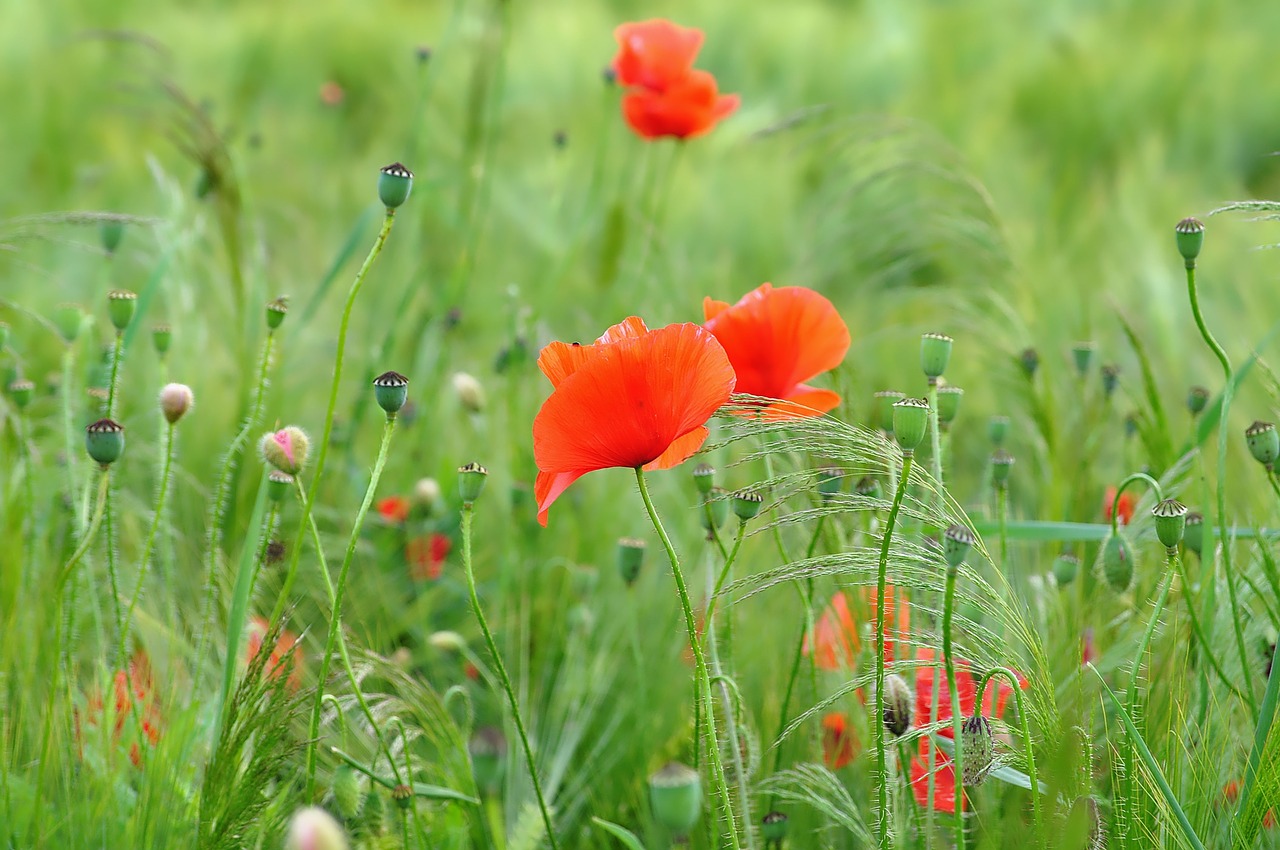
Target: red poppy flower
x=1088, y=652
x=836, y=634
x=687, y=108
x=275, y=666
x=655, y=54
x=778, y=338
x=426, y=555
x=636, y=398
x=127, y=687
x=471, y=671
x=1231, y=793
x=1126, y=506
x=394, y=509
x=839, y=745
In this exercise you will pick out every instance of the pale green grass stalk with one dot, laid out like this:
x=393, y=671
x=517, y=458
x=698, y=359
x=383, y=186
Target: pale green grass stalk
x=948, y=657
x=151, y=539
x=242, y=593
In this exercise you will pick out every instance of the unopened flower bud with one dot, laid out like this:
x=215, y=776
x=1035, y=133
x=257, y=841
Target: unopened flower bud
x=394, y=184
x=948, y=405
x=956, y=542
x=447, y=641
x=935, y=352
x=977, y=749
x=675, y=792
x=1117, y=562
x=471, y=480
x=161, y=337
x=277, y=309
x=704, y=478
x=997, y=430
x=1110, y=379
x=1171, y=522
x=1001, y=466
x=347, y=793
x=1029, y=360
x=630, y=559
x=910, y=422
x=1264, y=442
x=278, y=485
x=1082, y=356
x=1065, y=568
x=867, y=487
x=20, y=392
x=120, y=306
x=428, y=493
x=391, y=391
x=884, y=402
x=104, y=441
x=1193, y=533
x=1189, y=235
x=899, y=700
x=469, y=392
x=286, y=449
x=746, y=504
x=110, y=232
x=175, y=401
x=1197, y=399
x=315, y=829
x=715, y=508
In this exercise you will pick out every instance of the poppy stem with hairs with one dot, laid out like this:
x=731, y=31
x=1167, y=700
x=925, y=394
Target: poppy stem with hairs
x=882, y=769
x=467, y=513
x=957, y=718
x=1006, y=673
x=1002, y=516
x=335, y=615
x=151, y=539
x=700, y=662
x=1171, y=569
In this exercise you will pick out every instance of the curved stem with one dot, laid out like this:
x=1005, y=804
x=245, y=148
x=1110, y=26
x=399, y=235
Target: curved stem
x=948, y=657
x=151, y=540
x=1115, y=502
x=882, y=770
x=514, y=703
x=98, y=512
x=700, y=662
x=1026, y=739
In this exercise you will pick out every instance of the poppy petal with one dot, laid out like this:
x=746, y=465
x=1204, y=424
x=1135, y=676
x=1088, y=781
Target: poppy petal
x=684, y=110
x=559, y=360
x=655, y=53
x=547, y=488
x=804, y=401
x=712, y=308
x=725, y=106
x=944, y=778
x=681, y=449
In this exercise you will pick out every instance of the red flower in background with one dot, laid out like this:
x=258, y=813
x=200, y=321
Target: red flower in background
x=636, y=398
x=1125, y=508
x=839, y=746
x=1088, y=652
x=126, y=687
x=276, y=665
x=394, y=509
x=1231, y=793
x=778, y=338
x=426, y=555
x=836, y=634
x=655, y=54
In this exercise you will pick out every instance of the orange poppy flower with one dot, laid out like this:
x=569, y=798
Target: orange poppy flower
x=275, y=666
x=687, y=108
x=839, y=745
x=636, y=398
x=778, y=338
x=128, y=686
x=394, y=509
x=837, y=636
x=1231, y=793
x=1125, y=508
x=426, y=555
x=655, y=54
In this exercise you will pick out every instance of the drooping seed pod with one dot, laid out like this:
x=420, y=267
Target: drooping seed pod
x=1117, y=562
x=977, y=748
x=348, y=796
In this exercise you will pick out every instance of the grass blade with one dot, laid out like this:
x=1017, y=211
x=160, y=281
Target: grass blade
x=626, y=836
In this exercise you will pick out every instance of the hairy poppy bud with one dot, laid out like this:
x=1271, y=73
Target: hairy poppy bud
x=948, y=405
x=898, y=702
x=774, y=827
x=394, y=184
x=675, y=792
x=20, y=392
x=910, y=422
x=110, y=232
x=67, y=318
x=630, y=559
x=488, y=749
x=1110, y=379
x=277, y=309
x=704, y=477
x=278, y=485
x=120, y=306
x=104, y=441
x=746, y=504
x=977, y=748
x=1171, y=522
x=885, y=400
x=1001, y=466
x=471, y=480
x=428, y=493
x=347, y=796
x=1193, y=533
x=1029, y=360
x=1197, y=399
x=175, y=401
x=997, y=430
x=935, y=352
x=469, y=392
x=867, y=487
x=161, y=337
x=1264, y=442
x=314, y=829
x=286, y=449
x=830, y=482
x=715, y=508
x=391, y=390
x=956, y=542
x=1189, y=235
x=1082, y=356
x=1117, y=562
x=1065, y=568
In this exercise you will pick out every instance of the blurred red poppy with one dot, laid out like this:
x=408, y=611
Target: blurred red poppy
x=1125, y=508
x=655, y=54
x=1088, y=652
x=128, y=686
x=276, y=664
x=836, y=634
x=685, y=109
x=636, y=398
x=839, y=746
x=1231, y=793
x=426, y=555
x=778, y=338
x=394, y=509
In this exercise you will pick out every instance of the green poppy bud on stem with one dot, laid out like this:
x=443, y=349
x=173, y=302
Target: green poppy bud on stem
x=948, y=405
x=161, y=337
x=1110, y=379
x=1117, y=562
x=1197, y=399
x=1193, y=533
x=286, y=449
x=110, y=232
x=394, y=184
x=277, y=309
x=1082, y=356
x=1029, y=360
x=403, y=795
x=935, y=352
x=977, y=749
x=121, y=304
x=747, y=504
x=867, y=487
x=104, y=441
x=715, y=508
x=899, y=700
x=910, y=422
x=774, y=828
x=67, y=318
x=1001, y=466
x=20, y=393
x=278, y=485
x=997, y=430
x=675, y=792
x=1065, y=568
x=704, y=477
x=957, y=540
x=630, y=559
x=471, y=480
x=1171, y=522
x=830, y=482
x=1189, y=235
x=885, y=400
x=1264, y=443
x=391, y=390
x=347, y=796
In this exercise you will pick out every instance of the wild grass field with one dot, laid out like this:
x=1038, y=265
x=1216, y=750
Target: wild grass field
x=258, y=591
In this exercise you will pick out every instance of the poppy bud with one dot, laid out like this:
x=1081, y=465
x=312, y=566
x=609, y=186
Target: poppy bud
x=1171, y=522
x=394, y=183
x=161, y=336
x=997, y=429
x=830, y=482
x=948, y=405
x=1264, y=442
x=1189, y=235
x=110, y=232
x=898, y=702
x=1193, y=534
x=1029, y=359
x=428, y=493
x=275, y=550
x=391, y=390
x=488, y=749
x=67, y=319
x=935, y=352
x=704, y=478
x=373, y=814
x=471, y=480
x=120, y=306
x=715, y=508
x=1001, y=466
x=403, y=795
x=286, y=449
x=104, y=441
x=1131, y=424
x=1065, y=568
x=774, y=827
x=175, y=401
x=20, y=392
x=630, y=559
x=1197, y=398
x=1117, y=562
x=278, y=485
x=1110, y=379
x=885, y=400
x=276, y=311
x=346, y=792
x=469, y=392
x=314, y=829
x=977, y=748
x=746, y=504
x=675, y=792
x=1082, y=355
x=447, y=641
x=867, y=487
x=910, y=422
x=956, y=542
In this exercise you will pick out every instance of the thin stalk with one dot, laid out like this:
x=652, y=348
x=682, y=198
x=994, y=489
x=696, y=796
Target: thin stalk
x=335, y=614
x=724, y=571
x=1006, y=673
x=935, y=439
x=700, y=662
x=111, y=566
x=882, y=770
x=68, y=433
x=948, y=657
x=116, y=354
x=1275, y=487
x=1002, y=514
x=1198, y=631
x=1270, y=698
x=151, y=539
x=467, y=513
x=1165, y=583
x=94, y=523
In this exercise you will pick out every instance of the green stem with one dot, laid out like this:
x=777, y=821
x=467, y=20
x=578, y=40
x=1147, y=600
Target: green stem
x=335, y=614
x=85, y=542
x=700, y=662
x=1165, y=583
x=882, y=770
x=116, y=354
x=1270, y=698
x=731, y=729
x=467, y=513
x=948, y=657
x=1115, y=501
x=68, y=433
x=151, y=539
x=724, y=571
x=1002, y=515
x=1200, y=635
x=935, y=439
x=112, y=576
x=1023, y=716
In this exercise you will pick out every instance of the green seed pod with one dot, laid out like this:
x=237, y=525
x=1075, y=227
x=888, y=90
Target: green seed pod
x=276, y=311
x=1001, y=466
x=20, y=393
x=704, y=477
x=1117, y=562
x=715, y=508
x=747, y=504
x=867, y=487
x=110, y=232
x=347, y=796
x=161, y=337
x=1110, y=379
x=394, y=183
x=910, y=422
x=1197, y=399
x=403, y=795
x=278, y=485
x=935, y=352
x=104, y=441
x=830, y=482
x=1082, y=356
x=956, y=542
x=286, y=449
x=675, y=792
x=67, y=318
x=1065, y=568
x=977, y=749
x=391, y=389
x=471, y=480
x=1029, y=360
x=1193, y=534
x=1171, y=522
x=899, y=700
x=1189, y=235
x=630, y=559
x=997, y=430
x=373, y=821
x=1264, y=442
x=774, y=827
x=948, y=405
x=488, y=749
x=885, y=400
x=121, y=304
